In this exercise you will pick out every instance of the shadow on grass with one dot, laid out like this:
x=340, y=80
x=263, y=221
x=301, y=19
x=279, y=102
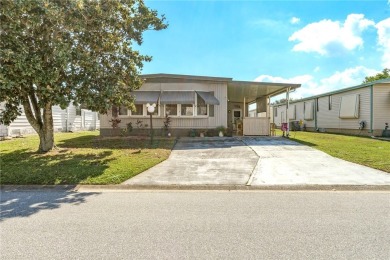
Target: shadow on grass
x=91, y=141
x=22, y=166
x=303, y=142
x=16, y=204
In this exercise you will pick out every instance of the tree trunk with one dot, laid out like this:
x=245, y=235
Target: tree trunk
x=46, y=140
x=42, y=124
x=46, y=134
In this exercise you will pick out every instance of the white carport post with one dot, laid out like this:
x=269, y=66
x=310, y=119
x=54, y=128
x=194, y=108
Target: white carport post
x=243, y=116
x=287, y=106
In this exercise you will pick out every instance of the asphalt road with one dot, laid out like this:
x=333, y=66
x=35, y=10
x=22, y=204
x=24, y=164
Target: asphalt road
x=195, y=225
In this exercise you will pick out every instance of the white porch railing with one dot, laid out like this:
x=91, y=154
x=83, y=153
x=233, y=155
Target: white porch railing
x=256, y=126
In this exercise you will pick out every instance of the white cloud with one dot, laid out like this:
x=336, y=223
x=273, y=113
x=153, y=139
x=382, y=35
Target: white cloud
x=296, y=20
x=383, y=30
x=317, y=69
x=331, y=37
x=311, y=86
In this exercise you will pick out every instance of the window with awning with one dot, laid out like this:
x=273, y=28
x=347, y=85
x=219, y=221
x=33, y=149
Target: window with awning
x=177, y=97
x=144, y=97
x=208, y=97
x=201, y=106
x=176, y=103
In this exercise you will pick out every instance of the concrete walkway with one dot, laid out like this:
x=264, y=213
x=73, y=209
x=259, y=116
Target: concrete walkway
x=254, y=161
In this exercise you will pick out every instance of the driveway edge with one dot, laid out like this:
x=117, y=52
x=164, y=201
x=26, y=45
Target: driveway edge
x=121, y=187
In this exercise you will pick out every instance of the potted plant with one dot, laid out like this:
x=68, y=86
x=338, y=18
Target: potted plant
x=221, y=130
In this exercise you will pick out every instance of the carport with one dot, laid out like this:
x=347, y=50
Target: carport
x=241, y=94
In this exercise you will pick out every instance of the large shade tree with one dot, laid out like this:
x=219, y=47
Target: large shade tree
x=57, y=52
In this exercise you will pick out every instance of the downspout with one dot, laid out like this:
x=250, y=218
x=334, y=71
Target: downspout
x=371, y=108
x=287, y=107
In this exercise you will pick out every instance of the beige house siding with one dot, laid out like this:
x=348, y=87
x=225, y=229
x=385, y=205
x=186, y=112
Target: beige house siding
x=381, y=106
x=364, y=109
x=310, y=104
x=328, y=120
x=299, y=111
x=219, y=118
x=280, y=110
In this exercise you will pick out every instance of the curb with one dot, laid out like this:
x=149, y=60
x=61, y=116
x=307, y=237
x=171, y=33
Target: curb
x=122, y=187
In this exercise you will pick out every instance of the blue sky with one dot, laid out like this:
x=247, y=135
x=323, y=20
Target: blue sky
x=324, y=45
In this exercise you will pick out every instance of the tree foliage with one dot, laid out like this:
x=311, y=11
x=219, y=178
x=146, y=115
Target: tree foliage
x=282, y=101
x=54, y=52
x=385, y=74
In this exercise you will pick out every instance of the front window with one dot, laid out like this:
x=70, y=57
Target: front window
x=171, y=109
x=187, y=110
x=201, y=106
x=123, y=111
x=139, y=110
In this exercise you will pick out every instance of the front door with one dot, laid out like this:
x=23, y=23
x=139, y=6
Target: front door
x=237, y=115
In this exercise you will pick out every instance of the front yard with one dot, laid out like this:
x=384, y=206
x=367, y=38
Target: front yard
x=81, y=158
x=361, y=150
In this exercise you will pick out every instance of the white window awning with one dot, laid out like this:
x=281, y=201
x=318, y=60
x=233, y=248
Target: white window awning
x=143, y=97
x=177, y=97
x=208, y=97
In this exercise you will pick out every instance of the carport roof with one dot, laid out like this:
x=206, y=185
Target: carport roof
x=252, y=90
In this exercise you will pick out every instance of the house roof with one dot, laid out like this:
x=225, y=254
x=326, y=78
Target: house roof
x=165, y=76
x=339, y=91
x=237, y=90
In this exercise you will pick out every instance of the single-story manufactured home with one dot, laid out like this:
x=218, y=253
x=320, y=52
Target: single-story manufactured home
x=196, y=104
x=358, y=110
x=71, y=119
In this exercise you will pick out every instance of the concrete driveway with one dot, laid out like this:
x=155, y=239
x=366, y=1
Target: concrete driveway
x=254, y=161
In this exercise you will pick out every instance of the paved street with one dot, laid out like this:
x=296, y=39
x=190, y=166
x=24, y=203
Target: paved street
x=195, y=225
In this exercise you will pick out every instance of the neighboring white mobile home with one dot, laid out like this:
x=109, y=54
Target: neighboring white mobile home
x=197, y=104
x=64, y=120
x=360, y=110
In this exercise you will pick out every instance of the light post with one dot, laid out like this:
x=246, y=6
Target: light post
x=150, y=109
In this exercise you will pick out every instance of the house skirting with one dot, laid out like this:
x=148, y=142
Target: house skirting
x=175, y=132
x=357, y=132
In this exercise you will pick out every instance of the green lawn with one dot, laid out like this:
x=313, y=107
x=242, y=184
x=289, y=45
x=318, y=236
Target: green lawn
x=362, y=150
x=81, y=158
